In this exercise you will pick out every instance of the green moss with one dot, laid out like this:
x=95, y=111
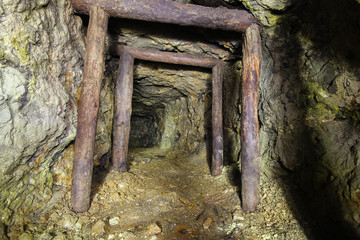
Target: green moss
x=321, y=112
x=273, y=19
x=32, y=84
x=316, y=92
x=2, y=54
x=246, y=4
x=321, y=106
x=355, y=116
x=22, y=49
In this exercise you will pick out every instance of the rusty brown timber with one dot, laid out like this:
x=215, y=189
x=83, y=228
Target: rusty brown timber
x=250, y=149
x=123, y=96
x=88, y=110
x=122, y=116
x=217, y=120
x=172, y=12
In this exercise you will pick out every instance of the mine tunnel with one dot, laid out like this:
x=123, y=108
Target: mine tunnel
x=303, y=85
x=170, y=111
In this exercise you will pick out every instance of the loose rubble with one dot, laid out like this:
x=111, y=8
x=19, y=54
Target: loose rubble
x=173, y=196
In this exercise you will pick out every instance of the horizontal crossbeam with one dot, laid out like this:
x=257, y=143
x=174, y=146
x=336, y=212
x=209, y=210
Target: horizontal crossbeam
x=171, y=12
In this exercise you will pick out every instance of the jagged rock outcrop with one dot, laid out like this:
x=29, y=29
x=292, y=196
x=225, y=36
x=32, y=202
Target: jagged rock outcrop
x=41, y=50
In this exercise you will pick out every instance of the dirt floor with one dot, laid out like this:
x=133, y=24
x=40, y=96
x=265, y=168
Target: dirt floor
x=165, y=196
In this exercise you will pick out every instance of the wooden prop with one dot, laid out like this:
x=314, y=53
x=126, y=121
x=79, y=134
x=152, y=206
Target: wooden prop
x=122, y=115
x=123, y=96
x=250, y=149
x=172, y=12
x=88, y=110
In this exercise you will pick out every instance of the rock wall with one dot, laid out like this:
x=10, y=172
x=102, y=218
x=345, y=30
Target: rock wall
x=41, y=52
x=309, y=108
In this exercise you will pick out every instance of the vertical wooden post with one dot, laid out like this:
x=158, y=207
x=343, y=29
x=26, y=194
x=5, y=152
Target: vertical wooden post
x=217, y=120
x=123, y=97
x=250, y=148
x=88, y=110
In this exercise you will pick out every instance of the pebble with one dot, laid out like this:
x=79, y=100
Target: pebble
x=114, y=221
x=77, y=226
x=154, y=229
x=68, y=222
x=60, y=236
x=26, y=236
x=98, y=228
x=207, y=223
x=237, y=216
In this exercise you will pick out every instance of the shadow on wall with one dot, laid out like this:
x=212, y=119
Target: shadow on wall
x=316, y=58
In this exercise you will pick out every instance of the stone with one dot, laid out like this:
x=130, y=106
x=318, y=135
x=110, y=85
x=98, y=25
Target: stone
x=98, y=228
x=238, y=216
x=207, y=223
x=60, y=236
x=45, y=236
x=68, y=222
x=114, y=221
x=26, y=236
x=154, y=229
x=2, y=230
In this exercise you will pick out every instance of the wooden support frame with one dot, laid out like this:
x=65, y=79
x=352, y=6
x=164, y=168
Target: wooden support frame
x=123, y=96
x=174, y=13
x=88, y=110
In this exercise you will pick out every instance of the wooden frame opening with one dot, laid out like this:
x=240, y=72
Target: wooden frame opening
x=174, y=13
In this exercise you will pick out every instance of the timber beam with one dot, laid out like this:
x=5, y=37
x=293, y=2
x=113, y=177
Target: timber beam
x=88, y=110
x=171, y=12
x=250, y=142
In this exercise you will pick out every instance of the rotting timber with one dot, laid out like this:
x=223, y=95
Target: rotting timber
x=181, y=14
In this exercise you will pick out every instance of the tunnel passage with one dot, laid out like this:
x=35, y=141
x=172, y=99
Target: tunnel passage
x=145, y=131
x=171, y=107
x=124, y=93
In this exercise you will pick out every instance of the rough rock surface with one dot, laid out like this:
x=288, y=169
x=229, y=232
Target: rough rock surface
x=41, y=50
x=309, y=108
